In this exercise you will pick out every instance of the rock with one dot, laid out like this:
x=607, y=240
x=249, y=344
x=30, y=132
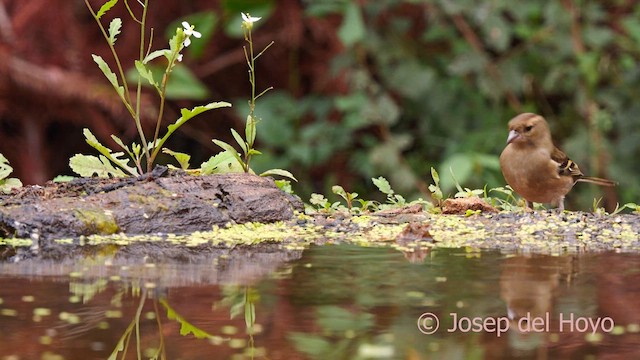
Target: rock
x=460, y=206
x=175, y=203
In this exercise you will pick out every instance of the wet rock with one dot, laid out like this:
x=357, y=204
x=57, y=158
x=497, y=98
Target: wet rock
x=175, y=203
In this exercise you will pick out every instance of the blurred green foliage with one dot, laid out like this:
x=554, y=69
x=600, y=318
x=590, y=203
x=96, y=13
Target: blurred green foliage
x=433, y=83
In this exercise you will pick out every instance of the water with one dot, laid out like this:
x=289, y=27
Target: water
x=326, y=302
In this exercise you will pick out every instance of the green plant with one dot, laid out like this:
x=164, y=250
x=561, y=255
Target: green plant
x=436, y=192
x=229, y=160
x=322, y=204
x=142, y=155
x=6, y=183
x=347, y=196
x=510, y=203
x=242, y=300
x=635, y=208
x=392, y=198
x=395, y=200
x=466, y=192
x=351, y=199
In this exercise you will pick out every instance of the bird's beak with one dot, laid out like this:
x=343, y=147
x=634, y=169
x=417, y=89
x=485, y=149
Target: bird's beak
x=512, y=136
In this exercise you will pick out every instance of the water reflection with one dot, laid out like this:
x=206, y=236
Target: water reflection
x=328, y=302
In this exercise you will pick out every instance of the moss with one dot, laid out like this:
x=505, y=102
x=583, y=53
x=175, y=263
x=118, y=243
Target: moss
x=541, y=231
x=97, y=221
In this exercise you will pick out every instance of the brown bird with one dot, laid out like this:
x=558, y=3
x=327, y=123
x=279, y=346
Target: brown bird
x=536, y=169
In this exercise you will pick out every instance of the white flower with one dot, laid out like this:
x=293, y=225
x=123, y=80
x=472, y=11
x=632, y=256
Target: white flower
x=248, y=20
x=179, y=58
x=189, y=30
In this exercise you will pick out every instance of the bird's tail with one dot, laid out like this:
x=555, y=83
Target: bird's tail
x=597, y=181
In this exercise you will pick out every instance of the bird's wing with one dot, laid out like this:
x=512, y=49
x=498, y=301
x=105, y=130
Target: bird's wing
x=566, y=167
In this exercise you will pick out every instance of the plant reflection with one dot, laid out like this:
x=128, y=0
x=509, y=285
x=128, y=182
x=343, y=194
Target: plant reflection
x=242, y=300
x=123, y=343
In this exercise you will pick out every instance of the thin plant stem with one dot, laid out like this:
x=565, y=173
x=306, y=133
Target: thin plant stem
x=251, y=62
x=133, y=16
x=161, y=346
x=163, y=91
x=138, y=120
x=252, y=70
x=143, y=298
x=127, y=95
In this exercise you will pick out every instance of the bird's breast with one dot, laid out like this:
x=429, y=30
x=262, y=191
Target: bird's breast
x=533, y=175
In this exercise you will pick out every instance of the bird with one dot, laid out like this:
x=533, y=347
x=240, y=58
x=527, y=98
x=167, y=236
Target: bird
x=535, y=168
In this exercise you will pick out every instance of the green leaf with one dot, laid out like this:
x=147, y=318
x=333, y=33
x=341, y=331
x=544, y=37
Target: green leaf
x=106, y=70
x=232, y=151
x=434, y=175
x=279, y=172
x=223, y=162
x=249, y=314
x=63, y=178
x=119, y=347
x=284, y=185
x=186, y=327
x=156, y=54
x=136, y=149
x=107, y=153
x=106, y=7
x=352, y=29
x=87, y=165
x=228, y=148
x=250, y=130
x=5, y=168
x=435, y=189
x=146, y=74
x=175, y=43
x=121, y=144
x=6, y=185
x=187, y=115
x=239, y=140
x=319, y=200
x=383, y=185
x=399, y=199
x=114, y=30
x=182, y=158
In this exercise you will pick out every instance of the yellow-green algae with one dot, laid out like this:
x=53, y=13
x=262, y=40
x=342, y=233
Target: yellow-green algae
x=99, y=221
x=540, y=231
x=15, y=242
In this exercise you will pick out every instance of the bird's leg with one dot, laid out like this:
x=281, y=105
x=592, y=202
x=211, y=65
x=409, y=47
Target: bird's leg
x=561, y=204
x=529, y=204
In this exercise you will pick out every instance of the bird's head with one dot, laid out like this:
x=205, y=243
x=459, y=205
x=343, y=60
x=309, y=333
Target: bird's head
x=529, y=129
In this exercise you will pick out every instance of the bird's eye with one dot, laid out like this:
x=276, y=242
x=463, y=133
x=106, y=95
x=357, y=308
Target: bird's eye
x=528, y=128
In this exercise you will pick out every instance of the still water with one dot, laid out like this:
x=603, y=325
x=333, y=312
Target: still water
x=326, y=302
